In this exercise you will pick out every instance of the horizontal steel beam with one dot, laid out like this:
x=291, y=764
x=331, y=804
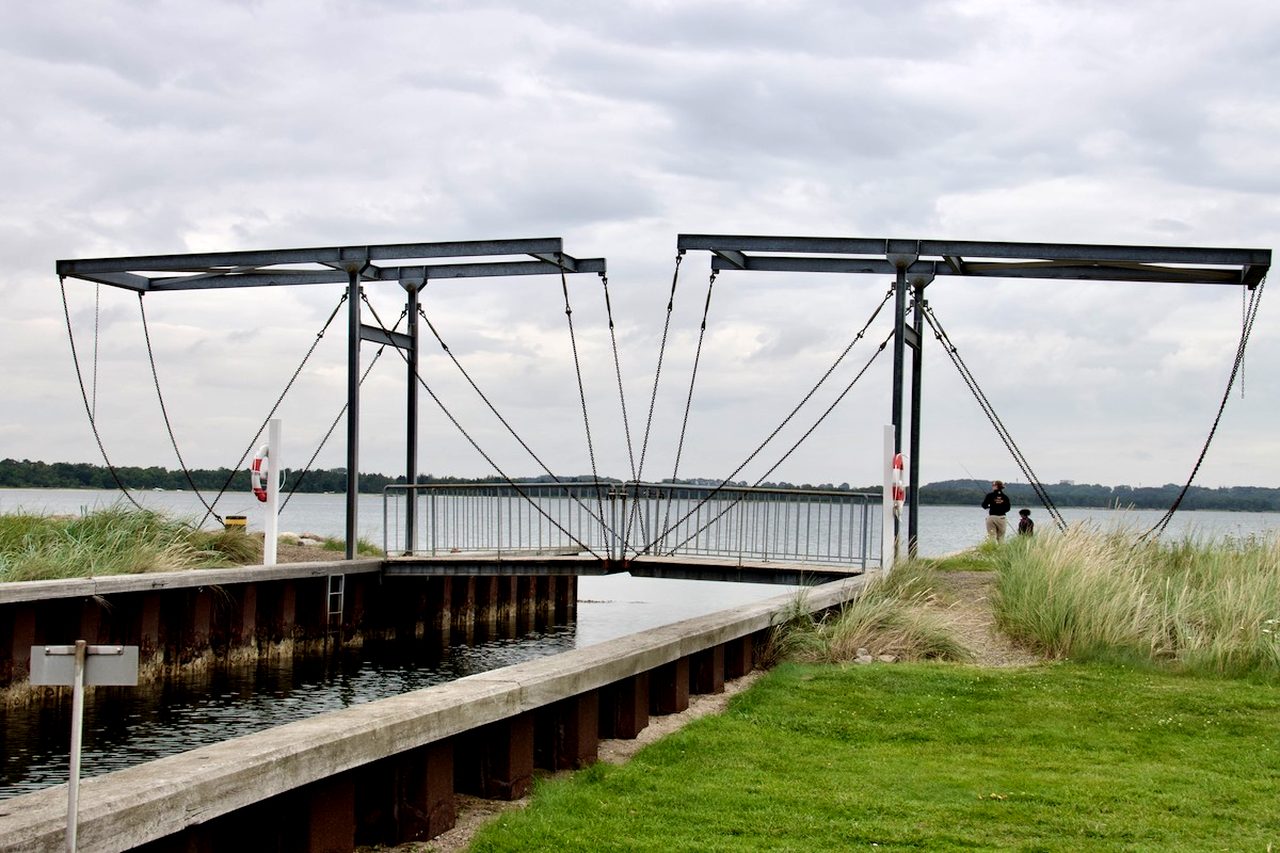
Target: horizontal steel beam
x=385, y=337
x=338, y=255
x=296, y=277
x=1037, y=269
x=984, y=259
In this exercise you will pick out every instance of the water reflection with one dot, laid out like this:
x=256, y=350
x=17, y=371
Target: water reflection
x=127, y=726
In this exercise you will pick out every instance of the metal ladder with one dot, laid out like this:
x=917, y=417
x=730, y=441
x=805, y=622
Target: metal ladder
x=336, y=599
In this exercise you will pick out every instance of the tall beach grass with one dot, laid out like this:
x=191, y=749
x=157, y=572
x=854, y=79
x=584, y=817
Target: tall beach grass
x=889, y=616
x=1210, y=607
x=110, y=542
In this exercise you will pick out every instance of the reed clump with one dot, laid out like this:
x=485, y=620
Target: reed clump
x=112, y=541
x=1208, y=607
x=889, y=616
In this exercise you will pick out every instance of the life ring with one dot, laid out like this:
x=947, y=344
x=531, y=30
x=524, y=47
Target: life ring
x=899, y=491
x=258, y=472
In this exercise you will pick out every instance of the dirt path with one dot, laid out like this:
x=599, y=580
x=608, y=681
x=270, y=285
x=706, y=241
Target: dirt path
x=964, y=598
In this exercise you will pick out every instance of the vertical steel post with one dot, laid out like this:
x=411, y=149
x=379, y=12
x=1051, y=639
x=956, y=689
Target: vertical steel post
x=411, y=419
x=353, y=408
x=77, y=736
x=899, y=368
x=913, y=455
x=899, y=352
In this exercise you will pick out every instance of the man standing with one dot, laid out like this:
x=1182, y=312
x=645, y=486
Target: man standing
x=996, y=503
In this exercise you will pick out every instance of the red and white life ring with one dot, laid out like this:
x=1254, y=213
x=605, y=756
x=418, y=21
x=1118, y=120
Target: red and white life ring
x=899, y=491
x=259, y=471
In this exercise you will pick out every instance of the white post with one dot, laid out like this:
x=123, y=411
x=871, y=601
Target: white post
x=888, y=533
x=77, y=729
x=275, y=466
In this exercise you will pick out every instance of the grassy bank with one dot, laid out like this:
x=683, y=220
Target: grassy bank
x=111, y=542
x=1210, y=608
x=932, y=756
x=118, y=541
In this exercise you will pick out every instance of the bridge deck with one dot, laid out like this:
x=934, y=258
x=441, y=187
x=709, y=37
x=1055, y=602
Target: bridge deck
x=688, y=568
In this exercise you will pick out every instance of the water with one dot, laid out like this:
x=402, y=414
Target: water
x=943, y=529
x=126, y=726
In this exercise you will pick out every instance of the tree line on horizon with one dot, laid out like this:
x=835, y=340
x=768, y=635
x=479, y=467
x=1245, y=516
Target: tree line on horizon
x=26, y=474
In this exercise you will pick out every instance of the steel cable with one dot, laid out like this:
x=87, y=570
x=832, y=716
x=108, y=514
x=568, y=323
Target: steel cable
x=795, y=409
x=987, y=409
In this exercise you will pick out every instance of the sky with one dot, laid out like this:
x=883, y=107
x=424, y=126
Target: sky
x=132, y=128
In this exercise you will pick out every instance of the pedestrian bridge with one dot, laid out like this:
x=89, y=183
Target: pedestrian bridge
x=720, y=532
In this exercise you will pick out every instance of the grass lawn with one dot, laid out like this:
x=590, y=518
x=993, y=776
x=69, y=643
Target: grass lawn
x=936, y=757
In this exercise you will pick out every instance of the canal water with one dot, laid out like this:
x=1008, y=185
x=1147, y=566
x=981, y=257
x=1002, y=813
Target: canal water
x=127, y=726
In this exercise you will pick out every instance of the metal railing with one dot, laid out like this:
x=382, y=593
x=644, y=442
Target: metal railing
x=617, y=520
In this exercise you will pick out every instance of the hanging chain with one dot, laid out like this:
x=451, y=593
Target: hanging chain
x=487, y=458
x=97, y=307
x=653, y=398
x=492, y=408
x=288, y=385
x=617, y=369
x=1237, y=366
x=164, y=413
x=987, y=409
x=854, y=381
x=582, y=396
x=88, y=410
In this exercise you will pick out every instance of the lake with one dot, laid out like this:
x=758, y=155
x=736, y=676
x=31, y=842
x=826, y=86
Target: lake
x=943, y=529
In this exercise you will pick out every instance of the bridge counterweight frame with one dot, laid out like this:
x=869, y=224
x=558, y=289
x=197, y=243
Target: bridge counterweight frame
x=915, y=264
x=409, y=264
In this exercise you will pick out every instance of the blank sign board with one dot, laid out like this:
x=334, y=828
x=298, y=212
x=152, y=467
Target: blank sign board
x=103, y=665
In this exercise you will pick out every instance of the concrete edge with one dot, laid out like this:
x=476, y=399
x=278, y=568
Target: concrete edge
x=15, y=592
x=132, y=806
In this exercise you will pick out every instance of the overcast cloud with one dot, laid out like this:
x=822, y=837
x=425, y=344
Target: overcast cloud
x=163, y=127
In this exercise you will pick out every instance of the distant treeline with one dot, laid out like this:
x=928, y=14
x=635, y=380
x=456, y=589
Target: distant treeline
x=77, y=475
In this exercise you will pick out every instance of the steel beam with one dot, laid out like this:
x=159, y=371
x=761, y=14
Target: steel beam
x=353, y=410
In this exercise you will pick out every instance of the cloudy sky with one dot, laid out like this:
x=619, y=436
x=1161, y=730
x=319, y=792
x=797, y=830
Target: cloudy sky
x=165, y=127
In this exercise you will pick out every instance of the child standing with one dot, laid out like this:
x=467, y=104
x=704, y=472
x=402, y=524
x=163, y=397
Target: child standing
x=1026, y=526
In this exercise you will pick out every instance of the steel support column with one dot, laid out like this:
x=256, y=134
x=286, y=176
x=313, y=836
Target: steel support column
x=913, y=454
x=411, y=417
x=899, y=359
x=353, y=408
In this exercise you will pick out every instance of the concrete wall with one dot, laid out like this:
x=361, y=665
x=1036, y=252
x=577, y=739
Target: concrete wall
x=183, y=618
x=386, y=772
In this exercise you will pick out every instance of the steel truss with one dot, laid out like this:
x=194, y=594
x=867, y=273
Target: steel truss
x=916, y=263
x=410, y=265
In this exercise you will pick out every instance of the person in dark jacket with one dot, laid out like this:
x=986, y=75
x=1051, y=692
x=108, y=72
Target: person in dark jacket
x=1026, y=526
x=997, y=505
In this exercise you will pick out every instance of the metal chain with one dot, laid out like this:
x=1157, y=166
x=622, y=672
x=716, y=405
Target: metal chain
x=164, y=413
x=582, y=396
x=288, y=385
x=306, y=469
x=805, y=399
x=487, y=458
x=617, y=369
x=987, y=409
x=510, y=429
x=653, y=398
x=84, y=395
x=883, y=345
x=1237, y=366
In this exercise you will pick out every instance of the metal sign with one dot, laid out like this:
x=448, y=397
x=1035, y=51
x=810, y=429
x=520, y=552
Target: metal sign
x=106, y=666
x=77, y=666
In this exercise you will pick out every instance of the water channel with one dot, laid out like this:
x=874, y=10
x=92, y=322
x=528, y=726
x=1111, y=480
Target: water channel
x=126, y=726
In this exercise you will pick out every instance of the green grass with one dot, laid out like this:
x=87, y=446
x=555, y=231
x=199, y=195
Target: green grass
x=110, y=542
x=1205, y=607
x=937, y=757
